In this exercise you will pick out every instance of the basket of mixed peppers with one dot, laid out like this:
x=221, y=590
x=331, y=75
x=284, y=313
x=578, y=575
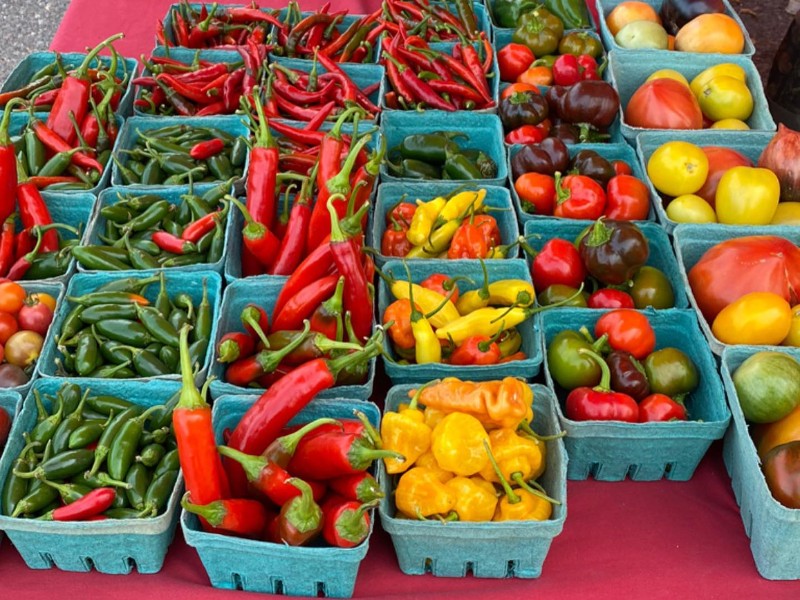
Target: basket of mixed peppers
x=482, y=482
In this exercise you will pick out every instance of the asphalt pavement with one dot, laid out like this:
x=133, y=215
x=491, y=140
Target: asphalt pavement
x=26, y=26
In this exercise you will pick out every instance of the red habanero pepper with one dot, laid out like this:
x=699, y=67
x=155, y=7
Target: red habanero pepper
x=232, y=346
x=262, y=171
x=394, y=241
x=346, y=256
x=73, y=99
x=327, y=317
x=7, y=245
x=610, y=298
x=172, y=243
x=443, y=284
x=203, y=475
x=300, y=519
x=335, y=454
x=600, y=403
x=207, y=149
x=469, y=241
x=477, y=350
x=330, y=168
x=93, y=503
x=293, y=244
x=303, y=304
x=558, y=262
x=263, y=421
x=346, y=522
x=239, y=516
x=488, y=224
x=259, y=241
x=660, y=407
x=361, y=487
x=579, y=197
x=8, y=164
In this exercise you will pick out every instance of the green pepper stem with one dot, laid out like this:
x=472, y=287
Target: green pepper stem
x=418, y=393
x=288, y=443
x=262, y=133
x=337, y=235
x=252, y=465
x=81, y=71
x=520, y=481
x=599, y=234
x=303, y=512
x=190, y=396
x=605, y=379
x=340, y=184
x=213, y=512
x=369, y=428
x=5, y=139
x=525, y=427
x=512, y=497
x=251, y=317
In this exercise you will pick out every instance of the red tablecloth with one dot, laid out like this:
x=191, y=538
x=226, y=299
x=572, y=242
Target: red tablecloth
x=628, y=540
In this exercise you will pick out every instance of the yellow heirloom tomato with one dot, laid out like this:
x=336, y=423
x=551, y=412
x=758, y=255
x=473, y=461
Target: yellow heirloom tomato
x=678, y=168
x=755, y=318
x=747, y=196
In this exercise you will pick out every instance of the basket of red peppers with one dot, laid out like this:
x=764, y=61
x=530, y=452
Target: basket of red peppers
x=639, y=392
x=283, y=506
x=622, y=265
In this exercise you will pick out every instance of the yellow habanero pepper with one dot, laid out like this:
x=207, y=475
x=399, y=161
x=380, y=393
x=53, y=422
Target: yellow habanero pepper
x=428, y=460
x=405, y=432
x=517, y=457
x=433, y=416
x=523, y=503
x=476, y=499
x=504, y=403
x=468, y=201
x=427, y=348
x=457, y=444
x=423, y=220
x=420, y=493
x=427, y=301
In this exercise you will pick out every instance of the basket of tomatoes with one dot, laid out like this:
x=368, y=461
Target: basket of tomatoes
x=639, y=392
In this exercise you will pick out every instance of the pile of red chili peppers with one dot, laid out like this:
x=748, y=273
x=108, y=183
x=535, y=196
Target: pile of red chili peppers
x=431, y=22
x=279, y=484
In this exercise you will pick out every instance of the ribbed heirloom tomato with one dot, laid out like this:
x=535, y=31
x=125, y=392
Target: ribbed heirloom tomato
x=664, y=104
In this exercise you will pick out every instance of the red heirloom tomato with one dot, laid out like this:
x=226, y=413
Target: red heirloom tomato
x=628, y=330
x=664, y=104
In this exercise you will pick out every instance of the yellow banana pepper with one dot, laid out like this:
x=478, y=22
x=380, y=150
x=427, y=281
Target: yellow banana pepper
x=514, y=454
x=506, y=292
x=438, y=241
x=405, y=432
x=484, y=321
x=457, y=444
x=461, y=203
x=474, y=299
x=427, y=301
x=423, y=220
x=420, y=493
x=476, y=499
x=427, y=348
x=428, y=460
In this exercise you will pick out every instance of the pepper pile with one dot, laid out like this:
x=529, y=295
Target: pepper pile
x=578, y=52
x=202, y=88
x=343, y=174
x=301, y=95
x=468, y=438
x=594, y=186
x=116, y=333
x=57, y=475
x=437, y=155
x=452, y=227
x=38, y=251
x=432, y=322
x=422, y=77
x=609, y=258
x=273, y=477
x=148, y=232
x=216, y=27
x=432, y=22
x=526, y=16
x=633, y=382
x=179, y=154
x=24, y=321
x=302, y=35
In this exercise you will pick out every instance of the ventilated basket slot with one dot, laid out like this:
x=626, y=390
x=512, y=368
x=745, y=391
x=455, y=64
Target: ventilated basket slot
x=595, y=469
x=236, y=581
x=632, y=471
x=47, y=559
x=88, y=562
x=277, y=587
x=428, y=565
x=511, y=568
x=469, y=568
x=321, y=593
x=130, y=563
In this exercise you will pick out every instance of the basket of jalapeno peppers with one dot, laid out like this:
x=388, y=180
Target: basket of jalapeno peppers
x=180, y=150
x=84, y=467
x=639, y=392
x=182, y=227
x=623, y=265
x=114, y=325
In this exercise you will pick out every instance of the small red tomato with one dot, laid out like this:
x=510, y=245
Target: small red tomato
x=610, y=298
x=35, y=317
x=628, y=330
x=660, y=407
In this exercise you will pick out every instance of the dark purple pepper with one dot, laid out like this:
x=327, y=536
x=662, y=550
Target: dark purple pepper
x=627, y=375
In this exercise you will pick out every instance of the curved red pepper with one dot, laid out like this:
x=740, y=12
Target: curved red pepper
x=293, y=244
x=303, y=304
x=233, y=345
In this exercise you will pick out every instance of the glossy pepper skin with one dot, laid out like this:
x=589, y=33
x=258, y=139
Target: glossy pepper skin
x=457, y=444
x=579, y=197
x=558, y=262
x=405, y=432
x=600, y=403
x=670, y=371
x=593, y=102
x=569, y=367
x=580, y=42
x=627, y=375
x=540, y=30
x=613, y=251
x=659, y=407
x=591, y=164
x=301, y=518
x=514, y=454
x=522, y=108
x=346, y=522
x=421, y=493
x=781, y=468
x=546, y=157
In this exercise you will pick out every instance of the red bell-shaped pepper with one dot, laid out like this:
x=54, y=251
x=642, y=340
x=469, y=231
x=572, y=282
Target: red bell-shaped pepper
x=600, y=403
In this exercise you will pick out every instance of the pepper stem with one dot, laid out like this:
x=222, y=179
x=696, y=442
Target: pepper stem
x=81, y=71
x=262, y=133
x=605, y=379
x=351, y=526
x=418, y=393
x=287, y=444
x=303, y=512
x=512, y=497
x=371, y=349
x=252, y=465
x=340, y=184
x=372, y=433
x=599, y=234
x=361, y=454
x=190, y=396
x=525, y=427
x=337, y=235
x=5, y=139
x=213, y=512
x=251, y=316
x=520, y=481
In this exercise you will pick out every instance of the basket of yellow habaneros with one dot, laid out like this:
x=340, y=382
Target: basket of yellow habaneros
x=482, y=488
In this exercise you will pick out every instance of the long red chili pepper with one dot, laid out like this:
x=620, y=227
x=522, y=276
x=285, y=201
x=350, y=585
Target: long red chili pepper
x=232, y=345
x=7, y=245
x=293, y=244
x=361, y=487
x=346, y=522
x=317, y=264
x=302, y=304
x=262, y=170
x=26, y=241
x=420, y=90
x=57, y=144
x=260, y=243
x=347, y=258
x=198, y=228
x=90, y=505
x=335, y=454
x=33, y=210
x=201, y=465
x=172, y=243
x=8, y=163
x=73, y=99
x=207, y=149
x=239, y=516
x=301, y=136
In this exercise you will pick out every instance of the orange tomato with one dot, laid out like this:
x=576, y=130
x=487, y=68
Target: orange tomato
x=45, y=299
x=712, y=32
x=628, y=12
x=518, y=87
x=12, y=297
x=537, y=76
